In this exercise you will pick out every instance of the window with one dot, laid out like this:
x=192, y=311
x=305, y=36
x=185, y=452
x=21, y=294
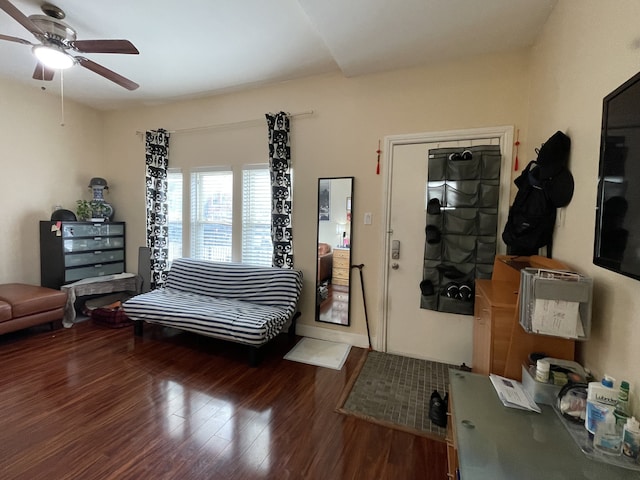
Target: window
x=217, y=197
x=256, y=216
x=174, y=197
x=212, y=215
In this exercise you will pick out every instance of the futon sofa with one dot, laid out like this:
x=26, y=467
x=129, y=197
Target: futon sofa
x=240, y=303
x=23, y=306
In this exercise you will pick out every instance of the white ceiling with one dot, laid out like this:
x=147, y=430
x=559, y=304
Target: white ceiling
x=202, y=47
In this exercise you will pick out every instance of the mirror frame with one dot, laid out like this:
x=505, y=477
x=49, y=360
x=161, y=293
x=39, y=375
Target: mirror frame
x=334, y=213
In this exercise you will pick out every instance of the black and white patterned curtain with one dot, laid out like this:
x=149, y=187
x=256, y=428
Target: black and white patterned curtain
x=281, y=189
x=157, y=164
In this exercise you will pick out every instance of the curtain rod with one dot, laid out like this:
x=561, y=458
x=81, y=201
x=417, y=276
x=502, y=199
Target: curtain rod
x=242, y=123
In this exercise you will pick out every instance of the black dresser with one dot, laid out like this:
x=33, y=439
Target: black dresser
x=76, y=250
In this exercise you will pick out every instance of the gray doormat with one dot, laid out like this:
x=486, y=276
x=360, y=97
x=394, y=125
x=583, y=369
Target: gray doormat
x=394, y=391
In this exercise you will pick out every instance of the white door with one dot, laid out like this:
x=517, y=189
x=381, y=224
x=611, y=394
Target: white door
x=410, y=330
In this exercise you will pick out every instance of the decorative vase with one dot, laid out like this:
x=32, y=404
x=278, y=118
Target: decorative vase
x=100, y=208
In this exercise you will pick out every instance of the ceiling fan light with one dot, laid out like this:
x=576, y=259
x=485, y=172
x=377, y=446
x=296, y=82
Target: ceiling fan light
x=53, y=57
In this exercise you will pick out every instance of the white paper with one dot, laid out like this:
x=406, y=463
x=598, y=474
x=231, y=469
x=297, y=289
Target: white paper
x=512, y=394
x=556, y=317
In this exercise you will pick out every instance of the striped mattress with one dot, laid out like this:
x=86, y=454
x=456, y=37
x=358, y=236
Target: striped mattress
x=231, y=301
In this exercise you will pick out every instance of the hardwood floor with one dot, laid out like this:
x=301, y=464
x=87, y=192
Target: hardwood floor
x=97, y=403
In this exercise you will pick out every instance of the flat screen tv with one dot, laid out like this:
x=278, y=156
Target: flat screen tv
x=617, y=238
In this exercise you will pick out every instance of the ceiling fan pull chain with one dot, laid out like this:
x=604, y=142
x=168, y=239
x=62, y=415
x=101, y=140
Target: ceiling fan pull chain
x=62, y=98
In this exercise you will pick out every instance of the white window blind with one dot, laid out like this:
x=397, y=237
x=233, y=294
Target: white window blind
x=174, y=199
x=257, y=247
x=211, y=215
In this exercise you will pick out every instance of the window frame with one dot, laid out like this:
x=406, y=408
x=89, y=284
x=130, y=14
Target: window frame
x=197, y=221
x=190, y=210
x=181, y=253
x=243, y=207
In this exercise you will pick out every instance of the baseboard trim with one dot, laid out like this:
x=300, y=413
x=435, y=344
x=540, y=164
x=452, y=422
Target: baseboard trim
x=354, y=339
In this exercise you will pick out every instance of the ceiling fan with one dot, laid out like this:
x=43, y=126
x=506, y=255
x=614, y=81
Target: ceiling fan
x=57, y=38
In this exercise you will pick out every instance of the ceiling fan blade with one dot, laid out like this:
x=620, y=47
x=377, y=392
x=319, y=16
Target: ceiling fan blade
x=20, y=17
x=108, y=74
x=15, y=39
x=43, y=73
x=105, y=46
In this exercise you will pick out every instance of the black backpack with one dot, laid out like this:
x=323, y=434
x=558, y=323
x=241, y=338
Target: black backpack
x=543, y=186
x=531, y=217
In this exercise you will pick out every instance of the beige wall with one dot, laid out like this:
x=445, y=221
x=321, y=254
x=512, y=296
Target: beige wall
x=586, y=50
x=339, y=139
x=43, y=164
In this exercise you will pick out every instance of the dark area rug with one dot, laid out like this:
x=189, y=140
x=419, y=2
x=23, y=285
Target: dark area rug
x=394, y=391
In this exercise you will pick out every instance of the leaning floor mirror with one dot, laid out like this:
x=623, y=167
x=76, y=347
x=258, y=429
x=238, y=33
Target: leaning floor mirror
x=333, y=271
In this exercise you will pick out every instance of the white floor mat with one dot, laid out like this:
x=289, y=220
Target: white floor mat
x=319, y=352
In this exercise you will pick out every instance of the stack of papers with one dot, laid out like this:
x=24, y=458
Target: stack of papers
x=557, y=317
x=554, y=302
x=512, y=394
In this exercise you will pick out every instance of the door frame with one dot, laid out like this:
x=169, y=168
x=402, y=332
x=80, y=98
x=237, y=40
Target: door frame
x=505, y=135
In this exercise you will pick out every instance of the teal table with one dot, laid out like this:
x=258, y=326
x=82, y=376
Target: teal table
x=496, y=442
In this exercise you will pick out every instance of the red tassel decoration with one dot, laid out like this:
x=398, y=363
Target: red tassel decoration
x=378, y=165
x=517, y=144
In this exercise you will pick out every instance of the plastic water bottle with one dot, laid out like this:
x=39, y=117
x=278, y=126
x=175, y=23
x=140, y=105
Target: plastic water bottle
x=608, y=436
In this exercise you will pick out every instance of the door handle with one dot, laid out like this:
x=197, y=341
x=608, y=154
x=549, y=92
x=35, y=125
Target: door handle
x=395, y=249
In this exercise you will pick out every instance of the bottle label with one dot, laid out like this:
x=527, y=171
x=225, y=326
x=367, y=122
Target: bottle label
x=631, y=444
x=609, y=443
x=594, y=416
x=606, y=399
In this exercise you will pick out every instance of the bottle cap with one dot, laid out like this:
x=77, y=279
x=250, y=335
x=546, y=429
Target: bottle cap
x=624, y=385
x=607, y=381
x=632, y=424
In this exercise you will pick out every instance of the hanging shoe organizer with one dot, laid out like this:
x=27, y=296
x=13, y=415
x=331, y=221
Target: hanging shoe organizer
x=461, y=225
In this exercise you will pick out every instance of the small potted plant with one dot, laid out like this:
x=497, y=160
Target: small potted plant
x=84, y=210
